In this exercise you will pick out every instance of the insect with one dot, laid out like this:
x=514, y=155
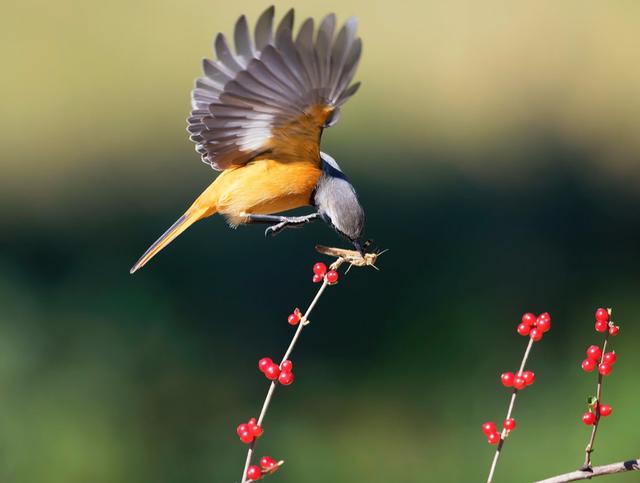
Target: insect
x=353, y=257
x=258, y=114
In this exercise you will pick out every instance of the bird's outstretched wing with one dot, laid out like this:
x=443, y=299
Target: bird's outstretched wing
x=276, y=93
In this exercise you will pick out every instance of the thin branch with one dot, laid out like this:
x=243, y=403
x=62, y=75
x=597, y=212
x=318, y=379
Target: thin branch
x=589, y=449
x=503, y=435
x=304, y=321
x=620, y=467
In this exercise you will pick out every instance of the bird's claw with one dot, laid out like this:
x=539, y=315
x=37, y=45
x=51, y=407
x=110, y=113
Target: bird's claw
x=273, y=230
x=293, y=222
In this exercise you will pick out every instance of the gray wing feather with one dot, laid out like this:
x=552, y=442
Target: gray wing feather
x=268, y=82
x=225, y=56
x=264, y=28
x=323, y=47
x=304, y=44
x=242, y=40
x=286, y=24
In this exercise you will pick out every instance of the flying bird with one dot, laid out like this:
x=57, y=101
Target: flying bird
x=257, y=116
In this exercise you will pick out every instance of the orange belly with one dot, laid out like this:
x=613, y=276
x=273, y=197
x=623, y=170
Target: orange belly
x=262, y=186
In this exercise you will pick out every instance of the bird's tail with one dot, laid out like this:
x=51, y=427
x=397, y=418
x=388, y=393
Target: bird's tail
x=185, y=221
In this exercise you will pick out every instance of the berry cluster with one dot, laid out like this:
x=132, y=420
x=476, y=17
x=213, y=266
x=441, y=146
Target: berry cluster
x=604, y=361
x=603, y=323
x=533, y=326
x=519, y=380
x=491, y=431
x=267, y=465
x=595, y=357
x=320, y=273
x=249, y=431
x=283, y=373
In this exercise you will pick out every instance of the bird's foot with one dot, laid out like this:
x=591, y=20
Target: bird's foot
x=289, y=222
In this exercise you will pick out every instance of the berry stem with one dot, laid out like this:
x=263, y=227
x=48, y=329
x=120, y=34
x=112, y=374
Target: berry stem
x=512, y=403
x=304, y=320
x=589, y=449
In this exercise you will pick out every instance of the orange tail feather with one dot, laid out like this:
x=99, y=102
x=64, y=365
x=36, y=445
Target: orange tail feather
x=181, y=224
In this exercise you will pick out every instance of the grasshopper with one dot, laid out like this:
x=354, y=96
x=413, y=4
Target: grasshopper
x=352, y=257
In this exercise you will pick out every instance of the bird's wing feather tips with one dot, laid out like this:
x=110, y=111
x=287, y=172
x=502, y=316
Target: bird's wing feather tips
x=274, y=94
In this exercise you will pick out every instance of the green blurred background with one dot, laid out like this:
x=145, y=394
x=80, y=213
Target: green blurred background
x=495, y=147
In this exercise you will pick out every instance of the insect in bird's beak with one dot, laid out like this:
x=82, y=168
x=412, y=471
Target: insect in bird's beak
x=352, y=257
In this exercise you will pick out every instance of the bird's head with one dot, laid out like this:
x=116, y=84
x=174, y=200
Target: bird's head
x=337, y=202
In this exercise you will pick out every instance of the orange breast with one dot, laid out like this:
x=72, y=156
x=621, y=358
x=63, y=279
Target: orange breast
x=263, y=186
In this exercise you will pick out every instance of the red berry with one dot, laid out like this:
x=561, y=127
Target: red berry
x=509, y=424
x=529, y=377
x=246, y=436
x=267, y=462
x=317, y=278
x=507, y=379
x=320, y=269
x=493, y=438
x=286, y=378
x=605, y=369
x=332, y=276
x=602, y=315
x=609, y=358
x=254, y=473
x=528, y=319
x=272, y=372
x=519, y=382
x=601, y=326
x=264, y=363
x=604, y=410
x=535, y=334
x=256, y=430
x=588, y=365
x=589, y=418
x=293, y=319
x=489, y=428
x=613, y=330
x=594, y=352
x=544, y=323
x=286, y=366
x=242, y=428
x=544, y=317
x=524, y=329
x=252, y=421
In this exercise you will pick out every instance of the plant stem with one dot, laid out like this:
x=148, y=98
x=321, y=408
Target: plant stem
x=589, y=448
x=503, y=434
x=272, y=387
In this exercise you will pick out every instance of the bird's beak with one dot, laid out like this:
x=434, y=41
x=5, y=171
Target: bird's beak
x=358, y=247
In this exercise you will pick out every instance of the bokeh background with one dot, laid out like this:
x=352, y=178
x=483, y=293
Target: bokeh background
x=495, y=147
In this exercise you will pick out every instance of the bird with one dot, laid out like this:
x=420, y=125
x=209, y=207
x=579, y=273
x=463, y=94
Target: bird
x=257, y=116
